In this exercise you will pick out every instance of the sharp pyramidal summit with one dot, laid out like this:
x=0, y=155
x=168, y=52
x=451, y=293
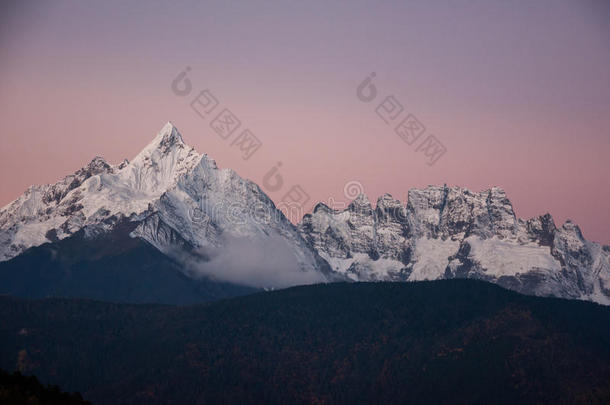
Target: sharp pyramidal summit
x=169, y=226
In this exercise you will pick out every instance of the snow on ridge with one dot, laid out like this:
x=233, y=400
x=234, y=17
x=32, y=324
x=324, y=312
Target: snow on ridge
x=452, y=232
x=432, y=258
x=510, y=258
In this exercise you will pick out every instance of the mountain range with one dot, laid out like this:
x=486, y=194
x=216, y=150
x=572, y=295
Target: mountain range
x=170, y=226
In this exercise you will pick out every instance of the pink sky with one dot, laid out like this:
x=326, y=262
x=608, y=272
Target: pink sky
x=519, y=94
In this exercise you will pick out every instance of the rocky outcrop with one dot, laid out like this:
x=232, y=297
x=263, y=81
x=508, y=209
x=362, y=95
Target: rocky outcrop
x=452, y=232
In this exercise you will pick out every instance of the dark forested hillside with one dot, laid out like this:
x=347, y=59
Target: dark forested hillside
x=111, y=267
x=17, y=389
x=454, y=341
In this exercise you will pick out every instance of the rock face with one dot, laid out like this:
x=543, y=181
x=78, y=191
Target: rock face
x=451, y=232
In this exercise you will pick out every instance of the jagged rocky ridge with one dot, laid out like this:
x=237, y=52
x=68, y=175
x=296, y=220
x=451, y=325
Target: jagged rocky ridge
x=183, y=205
x=451, y=232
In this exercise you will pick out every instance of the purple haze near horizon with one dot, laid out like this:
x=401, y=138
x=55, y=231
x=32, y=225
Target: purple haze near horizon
x=518, y=92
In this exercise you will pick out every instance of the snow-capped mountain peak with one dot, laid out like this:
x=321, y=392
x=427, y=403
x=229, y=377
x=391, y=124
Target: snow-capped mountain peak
x=176, y=200
x=161, y=163
x=166, y=139
x=98, y=194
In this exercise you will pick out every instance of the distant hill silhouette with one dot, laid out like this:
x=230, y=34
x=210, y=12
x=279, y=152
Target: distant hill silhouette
x=453, y=341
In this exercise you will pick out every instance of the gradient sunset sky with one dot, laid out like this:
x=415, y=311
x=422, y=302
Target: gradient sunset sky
x=517, y=91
